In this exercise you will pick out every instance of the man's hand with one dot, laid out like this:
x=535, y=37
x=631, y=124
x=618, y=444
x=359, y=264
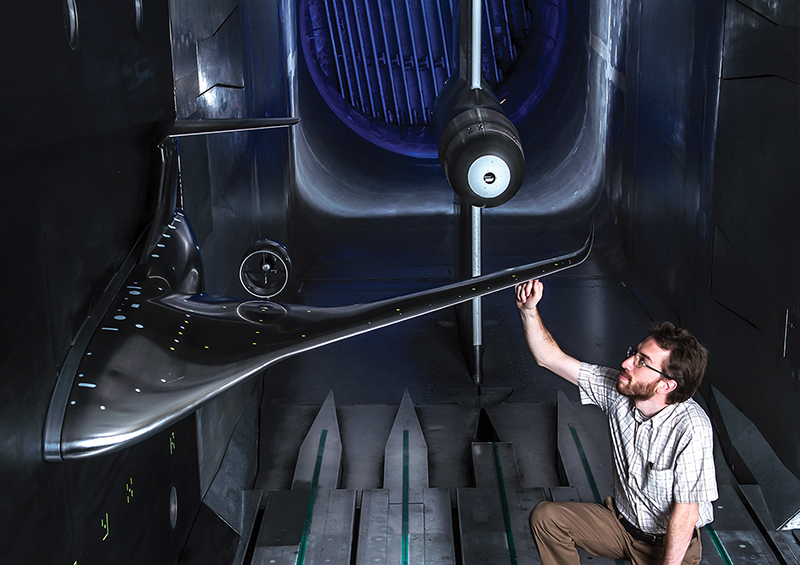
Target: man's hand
x=529, y=294
x=679, y=531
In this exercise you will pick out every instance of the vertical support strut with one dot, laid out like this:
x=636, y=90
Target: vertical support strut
x=476, y=360
x=475, y=45
x=468, y=264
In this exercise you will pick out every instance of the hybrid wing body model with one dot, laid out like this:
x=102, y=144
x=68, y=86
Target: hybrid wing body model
x=158, y=347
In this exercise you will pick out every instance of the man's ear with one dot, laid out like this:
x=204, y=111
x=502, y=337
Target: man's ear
x=666, y=386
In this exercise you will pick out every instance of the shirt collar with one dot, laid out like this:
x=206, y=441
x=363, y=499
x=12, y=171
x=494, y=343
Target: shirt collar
x=656, y=420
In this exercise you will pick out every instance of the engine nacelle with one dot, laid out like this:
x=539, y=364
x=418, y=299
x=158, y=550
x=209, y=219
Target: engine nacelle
x=479, y=148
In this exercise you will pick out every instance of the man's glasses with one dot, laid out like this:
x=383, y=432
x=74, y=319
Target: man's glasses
x=638, y=361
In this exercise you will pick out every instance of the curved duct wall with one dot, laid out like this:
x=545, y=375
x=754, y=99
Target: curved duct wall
x=342, y=171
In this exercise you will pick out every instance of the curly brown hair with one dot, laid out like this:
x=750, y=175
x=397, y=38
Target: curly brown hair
x=687, y=360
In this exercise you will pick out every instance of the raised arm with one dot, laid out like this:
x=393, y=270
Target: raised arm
x=544, y=348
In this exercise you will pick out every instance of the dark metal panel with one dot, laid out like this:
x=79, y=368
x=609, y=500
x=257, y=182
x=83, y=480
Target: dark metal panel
x=198, y=19
x=785, y=12
x=664, y=198
x=288, y=536
x=270, y=70
x=740, y=354
x=207, y=50
x=323, y=439
x=282, y=527
x=211, y=540
x=493, y=517
x=192, y=23
x=116, y=78
x=736, y=531
x=427, y=526
x=584, y=446
x=230, y=176
x=663, y=212
x=531, y=428
x=755, y=46
x=739, y=289
x=439, y=549
x=137, y=506
x=780, y=488
x=77, y=162
x=756, y=206
x=251, y=501
x=219, y=57
x=781, y=541
x=330, y=539
x=373, y=538
x=194, y=175
x=755, y=182
x=483, y=537
x=227, y=445
x=405, y=463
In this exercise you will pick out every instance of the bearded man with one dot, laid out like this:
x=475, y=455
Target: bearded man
x=664, y=477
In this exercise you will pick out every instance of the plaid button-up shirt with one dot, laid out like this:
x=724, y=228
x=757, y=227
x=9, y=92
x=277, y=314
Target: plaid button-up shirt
x=657, y=461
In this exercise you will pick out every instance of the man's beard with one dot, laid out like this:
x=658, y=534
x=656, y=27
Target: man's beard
x=637, y=391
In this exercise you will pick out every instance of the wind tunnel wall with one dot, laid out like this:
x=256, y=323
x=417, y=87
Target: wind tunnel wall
x=703, y=178
x=77, y=170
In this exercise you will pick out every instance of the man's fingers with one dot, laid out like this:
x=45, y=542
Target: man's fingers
x=519, y=291
x=524, y=291
x=537, y=288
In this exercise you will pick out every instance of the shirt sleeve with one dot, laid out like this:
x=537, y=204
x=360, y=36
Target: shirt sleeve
x=695, y=476
x=598, y=385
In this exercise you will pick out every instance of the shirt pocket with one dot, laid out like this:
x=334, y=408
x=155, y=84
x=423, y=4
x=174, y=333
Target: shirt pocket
x=658, y=485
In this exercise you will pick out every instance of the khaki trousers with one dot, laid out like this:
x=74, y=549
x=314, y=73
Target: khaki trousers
x=559, y=526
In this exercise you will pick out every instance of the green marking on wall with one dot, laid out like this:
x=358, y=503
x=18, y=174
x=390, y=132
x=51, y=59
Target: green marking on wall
x=312, y=498
x=586, y=467
x=512, y=550
x=404, y=549
x=723, y=553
